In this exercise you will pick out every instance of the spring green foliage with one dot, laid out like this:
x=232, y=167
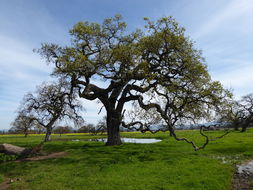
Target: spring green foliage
x=156, y=67
x=166, y=165
x=5, y=158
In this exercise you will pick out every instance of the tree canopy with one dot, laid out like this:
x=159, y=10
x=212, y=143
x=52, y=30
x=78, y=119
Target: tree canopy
x=157, y=68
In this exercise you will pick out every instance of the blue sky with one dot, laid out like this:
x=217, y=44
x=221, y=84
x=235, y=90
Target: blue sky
x=223, y=29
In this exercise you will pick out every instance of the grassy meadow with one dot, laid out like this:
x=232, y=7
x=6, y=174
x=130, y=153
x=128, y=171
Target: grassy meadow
x=166, y=165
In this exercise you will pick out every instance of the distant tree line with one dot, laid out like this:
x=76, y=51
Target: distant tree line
x=86, y=128
x=22, y=125
x=99, y=128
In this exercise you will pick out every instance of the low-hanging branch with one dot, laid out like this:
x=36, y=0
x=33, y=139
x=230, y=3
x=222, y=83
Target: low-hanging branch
x=168, y=118
x=145, y=128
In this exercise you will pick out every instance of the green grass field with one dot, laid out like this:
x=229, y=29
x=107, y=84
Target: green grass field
x=167, y=165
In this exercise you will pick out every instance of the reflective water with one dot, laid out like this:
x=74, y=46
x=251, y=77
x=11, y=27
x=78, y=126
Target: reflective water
x=126, y=140
x=245, y=168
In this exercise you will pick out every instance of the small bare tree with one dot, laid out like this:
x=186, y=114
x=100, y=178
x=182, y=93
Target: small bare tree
x=101, y=126
x=51, y=103
x=247, y=111
x=241, y=114
x=22, y=124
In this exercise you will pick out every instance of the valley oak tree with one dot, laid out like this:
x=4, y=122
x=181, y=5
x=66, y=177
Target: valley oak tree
x=105, y=62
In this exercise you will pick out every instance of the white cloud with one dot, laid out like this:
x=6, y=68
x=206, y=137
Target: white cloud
x=21, y=70
x=15, y=55
x=235, y=13
x=239, y=78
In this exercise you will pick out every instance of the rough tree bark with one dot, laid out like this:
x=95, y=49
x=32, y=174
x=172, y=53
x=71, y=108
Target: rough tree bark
x=113, y=133
x=113, y=124
x=49, y=127
x=48, y=134
x=26, y=133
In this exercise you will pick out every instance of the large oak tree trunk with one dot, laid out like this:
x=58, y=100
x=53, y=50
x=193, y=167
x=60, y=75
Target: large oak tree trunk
x=113, y=134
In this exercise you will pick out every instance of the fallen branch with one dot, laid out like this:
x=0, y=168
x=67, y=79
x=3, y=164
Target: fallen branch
x=10, y=149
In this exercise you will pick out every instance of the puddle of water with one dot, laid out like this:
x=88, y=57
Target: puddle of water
x=126, y=140
x=245, y=168
x=76, y=140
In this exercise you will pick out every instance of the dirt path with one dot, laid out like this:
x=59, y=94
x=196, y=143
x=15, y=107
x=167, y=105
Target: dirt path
x=243, y=178
x=52, y=155
x=5, y=184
